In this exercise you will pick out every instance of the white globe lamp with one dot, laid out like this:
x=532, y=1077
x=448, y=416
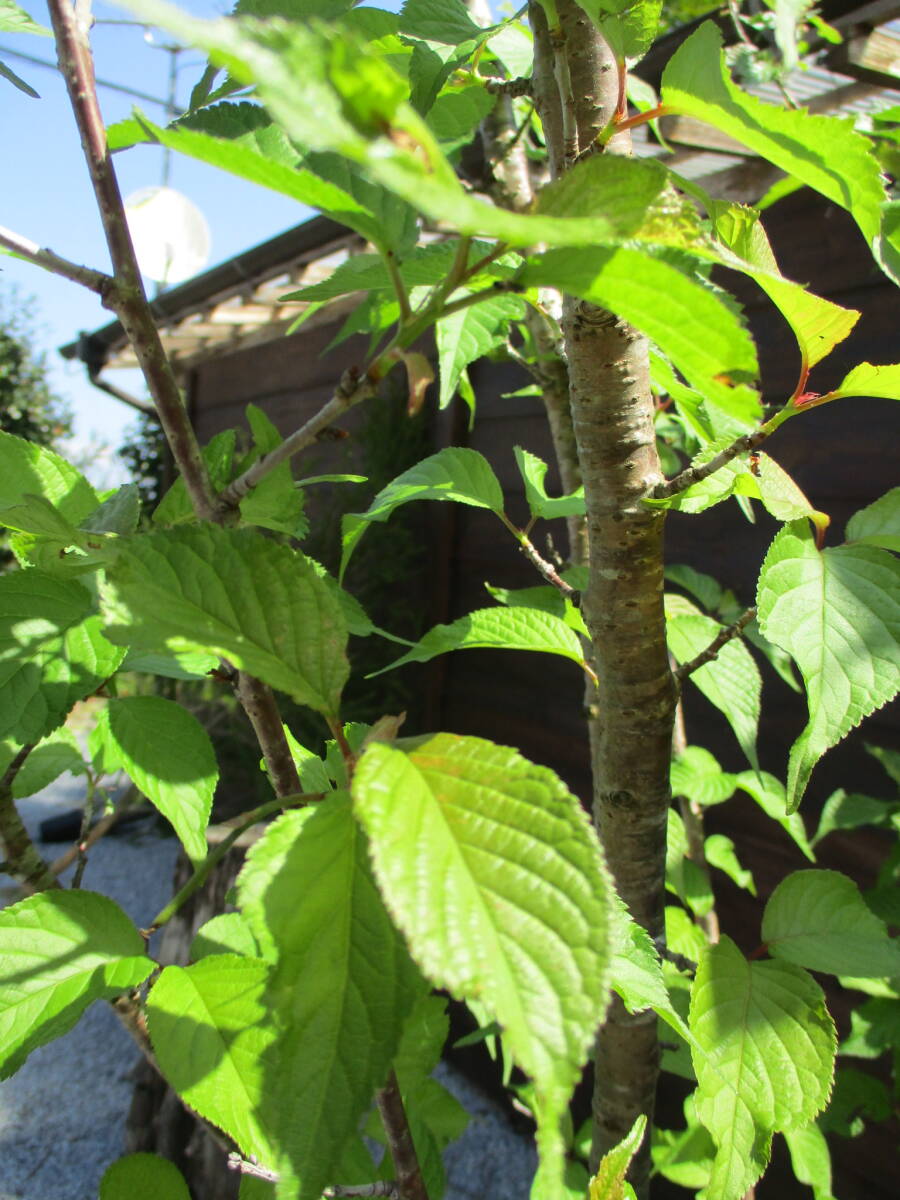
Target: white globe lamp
x=170, y=234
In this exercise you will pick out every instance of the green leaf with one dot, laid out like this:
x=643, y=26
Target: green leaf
x=27, y=469
x=818, y=325
x=393, y=225
x=811, y=1159
x=845, y=810
x=545, y=598
x=501, y=628
x=768, y=1058
x=701, y=586
x=628, y=26
x=453, y=474
x=857, y=1095
x=818, y=920
x=275, y=503
x=533, y=471
x=143, y=1177
x=731, y=681
x=445, y=21
x=692, y=324
x=228, y=933
x=422, y=266
x=609, y=1182
x=720, y=852
x=636, y=972
x=211, y=1031
x=470, y=334
x=514, y=46
x=867, y=379
x=47, y=761
x=120, y=512
x=769, y=794
x=14, y=19
x=824, y=152
x=620, y=199
x=18, y=82
x=684, y=1156
x=697, y=775
x=60, y=951
x=455, y=115
x=879, y=523
x=167, y=753
x=837, y=612
x=236, y=593
x=176, y=507
x=310, y=768
x=683, y=876
x=35, y=515
x=494, y=874
x=51, y=652
x=243, y=140
x=187, y=665
x=874, y=1028
x=683, y=935
x=342, y=986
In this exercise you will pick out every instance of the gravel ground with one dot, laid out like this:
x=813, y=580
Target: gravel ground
x=62, y=1116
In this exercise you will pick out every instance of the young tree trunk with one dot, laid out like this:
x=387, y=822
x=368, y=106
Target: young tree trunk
x=577, y=90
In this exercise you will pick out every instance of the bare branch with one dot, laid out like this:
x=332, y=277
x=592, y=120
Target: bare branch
x=100, y=830
x=728, y=634
x=411, y=1185
x=236, y=1163
x=383, y=1187
x=545, y=569
x=94, y=281
x=691, y=475
x=353, y=387
x=128, y=299
x=22, y=859
x=509, y=87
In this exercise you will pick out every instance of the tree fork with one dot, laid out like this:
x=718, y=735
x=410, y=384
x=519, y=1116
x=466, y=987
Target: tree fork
x=612, y=409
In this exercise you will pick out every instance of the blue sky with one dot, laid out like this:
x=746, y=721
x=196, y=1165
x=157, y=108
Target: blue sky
x=46, y=196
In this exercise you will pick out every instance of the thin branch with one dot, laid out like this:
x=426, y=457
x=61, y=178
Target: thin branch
x=133, y=310
x=728, y=634
x=353, y=387
x=563, y=78
x=81, y=846
x=258, y=702
x=236, y=1163
x=544, y=568
x=411, y=1185
x=128, y=299
x=383, y=1187
x=691, y=475
x=476, y=297
x=399, y=286
x=101, y=829
x=120, y=394
x=681, y=961
x=94, y=281
x=694, y=827
x=22, y=859
x=509, y=87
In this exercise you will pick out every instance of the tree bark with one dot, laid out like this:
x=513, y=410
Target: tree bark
x=612, y=412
